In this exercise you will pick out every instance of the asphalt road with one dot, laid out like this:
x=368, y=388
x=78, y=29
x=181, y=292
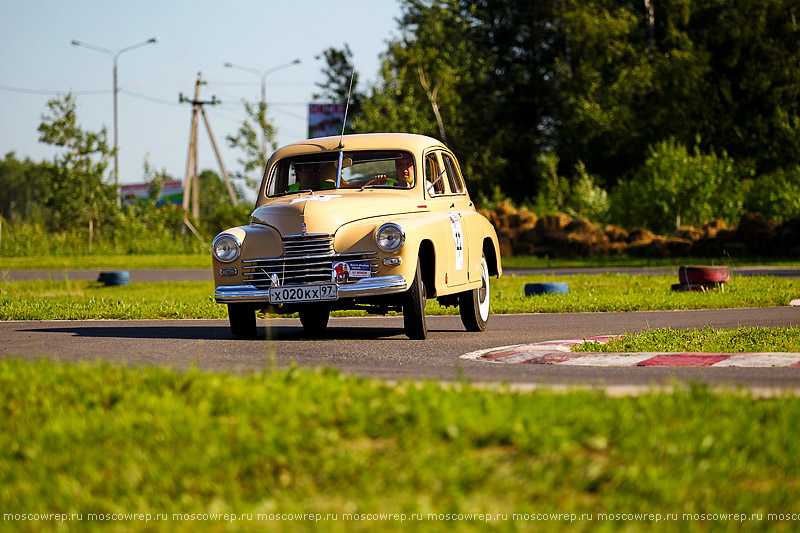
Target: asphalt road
x=377, y=347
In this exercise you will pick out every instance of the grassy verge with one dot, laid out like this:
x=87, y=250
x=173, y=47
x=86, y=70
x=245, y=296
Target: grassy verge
x=97, y=438
x=739, y=340
x=82, y=300
x=106, y=262
x=628, y=261
x=74, y=300
x=203, y=260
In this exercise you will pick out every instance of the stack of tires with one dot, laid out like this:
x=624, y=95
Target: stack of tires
x=702, y=278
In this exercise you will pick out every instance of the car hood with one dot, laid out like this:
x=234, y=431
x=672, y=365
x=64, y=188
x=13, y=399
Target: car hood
x=325, y=213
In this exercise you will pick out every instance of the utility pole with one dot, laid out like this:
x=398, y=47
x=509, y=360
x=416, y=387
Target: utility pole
x=191, y=182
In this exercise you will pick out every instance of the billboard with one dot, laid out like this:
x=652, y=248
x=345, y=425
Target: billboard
x=171, y=193
x=325, y=120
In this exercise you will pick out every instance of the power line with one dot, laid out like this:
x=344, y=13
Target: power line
x=150, y=98
x=52, y=93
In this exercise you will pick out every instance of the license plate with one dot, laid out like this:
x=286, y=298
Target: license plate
x=303, y=293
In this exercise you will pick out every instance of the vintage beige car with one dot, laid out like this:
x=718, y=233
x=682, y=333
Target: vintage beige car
x=380, y=222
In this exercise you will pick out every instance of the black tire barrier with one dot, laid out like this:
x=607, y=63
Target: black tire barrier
x=534, y=289
x=113, y=279
x=704, y=274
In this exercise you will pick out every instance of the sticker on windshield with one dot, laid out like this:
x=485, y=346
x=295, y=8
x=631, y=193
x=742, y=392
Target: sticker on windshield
x=458, y=239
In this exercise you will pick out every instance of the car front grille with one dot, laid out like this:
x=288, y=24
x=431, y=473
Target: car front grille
x=306, y=259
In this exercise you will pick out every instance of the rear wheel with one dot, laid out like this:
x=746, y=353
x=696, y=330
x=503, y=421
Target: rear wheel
x=414, y=308
x=242, y=318
x=474, y=305
x=315, y=319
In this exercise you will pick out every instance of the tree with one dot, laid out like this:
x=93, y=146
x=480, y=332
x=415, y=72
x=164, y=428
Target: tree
x=592, y=81
x=338, y=73
x=25, y=187
x=432, y=81
x=77, y=192
x=675, y=187
x=255, y=150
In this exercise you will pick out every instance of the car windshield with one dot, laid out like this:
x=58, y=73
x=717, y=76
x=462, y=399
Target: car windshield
x=388, y=169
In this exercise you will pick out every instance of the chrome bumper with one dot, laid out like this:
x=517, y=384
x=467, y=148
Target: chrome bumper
x=226, y=294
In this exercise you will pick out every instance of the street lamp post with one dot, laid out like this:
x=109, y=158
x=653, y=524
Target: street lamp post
x=114, y=56
x=263, y=74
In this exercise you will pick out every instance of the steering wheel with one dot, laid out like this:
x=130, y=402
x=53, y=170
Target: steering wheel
x=376, y=179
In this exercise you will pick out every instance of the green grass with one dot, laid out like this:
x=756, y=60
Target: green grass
x=624, y=260
x=74, y=300
x=98, y=438
x=82, y=300
x=616, y=292
x=201, y=261
x=739, y=340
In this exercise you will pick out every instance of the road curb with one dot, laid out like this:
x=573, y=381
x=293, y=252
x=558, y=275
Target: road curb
x=558, y=352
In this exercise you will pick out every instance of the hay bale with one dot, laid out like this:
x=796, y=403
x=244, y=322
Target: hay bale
x=711, y=227
x=757, y=232
x=689, y=233
x=788, y=235
x=640, y=236
x=679, y=246
x=657, y=247
x=552, y=223
x=616, y=234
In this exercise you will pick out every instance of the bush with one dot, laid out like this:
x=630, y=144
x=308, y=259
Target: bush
x=675, y=188
x=134, y=230
x=776, y=196
x=583, y=197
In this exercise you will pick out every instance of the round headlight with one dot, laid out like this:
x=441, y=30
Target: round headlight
x=226, y=248
x=390, y=237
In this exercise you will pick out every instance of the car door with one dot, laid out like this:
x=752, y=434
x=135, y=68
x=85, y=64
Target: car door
x=450, y=205
x=471, y=221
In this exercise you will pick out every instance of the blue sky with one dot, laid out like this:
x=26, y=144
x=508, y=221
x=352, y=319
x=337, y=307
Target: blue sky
x=194, y=36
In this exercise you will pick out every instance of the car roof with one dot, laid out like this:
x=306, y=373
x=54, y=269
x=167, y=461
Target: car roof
x=364, y=141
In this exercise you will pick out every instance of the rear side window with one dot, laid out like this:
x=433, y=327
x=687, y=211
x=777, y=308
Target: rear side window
x=453, y=175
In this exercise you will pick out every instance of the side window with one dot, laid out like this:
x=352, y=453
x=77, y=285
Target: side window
x=434, y=179
x=453, y=176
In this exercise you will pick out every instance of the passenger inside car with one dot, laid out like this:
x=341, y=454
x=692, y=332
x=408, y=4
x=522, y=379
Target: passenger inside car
x=309, y=178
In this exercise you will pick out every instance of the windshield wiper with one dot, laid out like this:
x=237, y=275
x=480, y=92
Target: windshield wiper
x=378, y=185
x=284, y=193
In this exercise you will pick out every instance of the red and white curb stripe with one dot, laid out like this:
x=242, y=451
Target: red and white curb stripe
x=558, y=353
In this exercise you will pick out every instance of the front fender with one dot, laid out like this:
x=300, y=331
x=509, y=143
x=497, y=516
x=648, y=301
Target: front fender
x=257, y=241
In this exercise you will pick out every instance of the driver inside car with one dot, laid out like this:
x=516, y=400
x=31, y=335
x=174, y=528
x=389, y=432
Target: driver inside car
x=405, y=174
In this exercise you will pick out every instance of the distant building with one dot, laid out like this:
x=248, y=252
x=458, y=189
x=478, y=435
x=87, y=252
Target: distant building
x=325, y=120
x=171, y=193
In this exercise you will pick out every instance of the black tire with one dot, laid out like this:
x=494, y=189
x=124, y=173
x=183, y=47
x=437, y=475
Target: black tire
x=315, y=319
x=474, y=305
x=414, y=308
x=242, y=318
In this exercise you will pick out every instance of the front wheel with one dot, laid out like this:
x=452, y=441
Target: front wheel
x=474, y=305
x=242, y=318
x=315, y=319
x=414, y=308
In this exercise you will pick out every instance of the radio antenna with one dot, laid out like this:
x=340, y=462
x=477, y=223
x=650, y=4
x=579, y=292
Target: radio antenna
x=341, y=138
x=347, y=108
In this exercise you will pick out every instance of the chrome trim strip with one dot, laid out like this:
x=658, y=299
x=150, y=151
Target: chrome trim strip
x=379, y=286
x=373, y=287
